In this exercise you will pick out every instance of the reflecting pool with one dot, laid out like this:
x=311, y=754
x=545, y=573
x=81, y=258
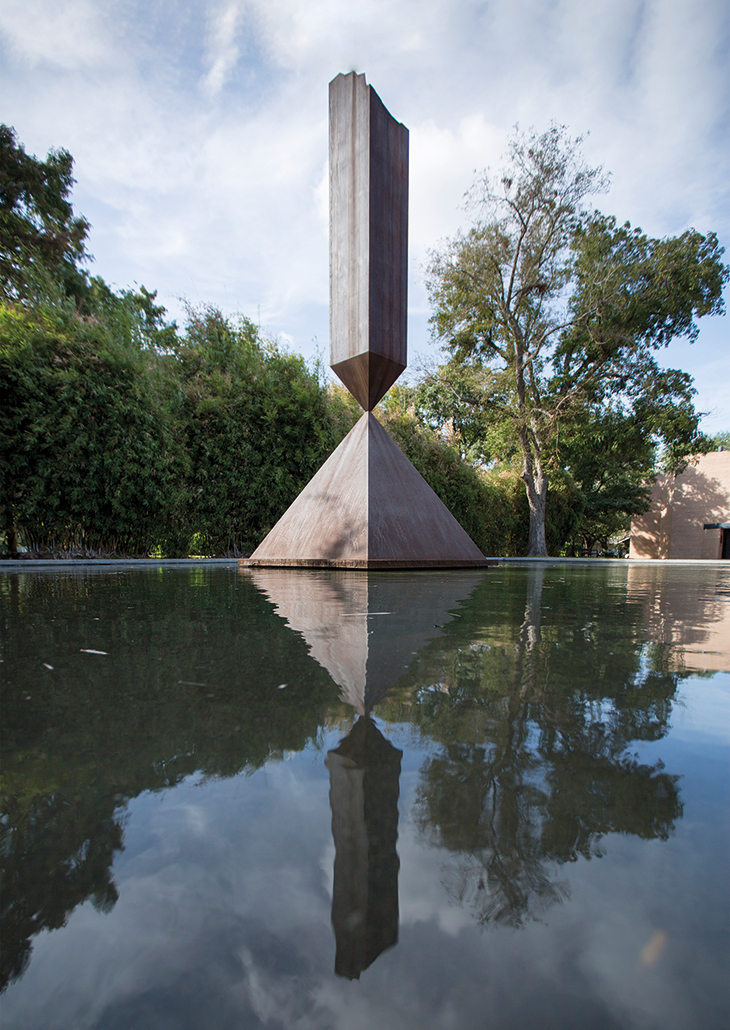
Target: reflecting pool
x=301, y=799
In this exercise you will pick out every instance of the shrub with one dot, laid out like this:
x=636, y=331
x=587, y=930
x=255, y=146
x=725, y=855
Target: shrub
x=89, y=454
x=257, y=428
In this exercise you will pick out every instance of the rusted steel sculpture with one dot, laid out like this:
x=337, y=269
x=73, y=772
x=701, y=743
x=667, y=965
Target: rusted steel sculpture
x=368, y=240
x=367, y=507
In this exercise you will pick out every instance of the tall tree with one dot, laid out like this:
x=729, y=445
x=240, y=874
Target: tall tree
x=39, y=233
x=557, y=307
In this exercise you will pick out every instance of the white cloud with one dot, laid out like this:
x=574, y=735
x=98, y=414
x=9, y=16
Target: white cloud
x=199, y=129
x=70, y=35
x=222, y=50
x=214, y=918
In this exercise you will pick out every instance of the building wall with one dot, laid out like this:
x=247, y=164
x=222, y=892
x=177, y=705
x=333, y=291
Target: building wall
x=680, y=507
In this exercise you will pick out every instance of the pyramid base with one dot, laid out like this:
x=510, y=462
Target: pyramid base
x=365, y=563
x=367, y=508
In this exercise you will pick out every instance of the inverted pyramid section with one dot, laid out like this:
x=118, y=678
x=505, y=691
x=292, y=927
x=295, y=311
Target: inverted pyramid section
x=367, y=507
x=362, y=627
x=368, y=377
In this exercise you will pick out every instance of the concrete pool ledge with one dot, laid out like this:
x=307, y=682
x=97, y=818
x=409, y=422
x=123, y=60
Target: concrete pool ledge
x=20, y=564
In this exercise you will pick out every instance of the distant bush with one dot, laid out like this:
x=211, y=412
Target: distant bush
x=121, y=435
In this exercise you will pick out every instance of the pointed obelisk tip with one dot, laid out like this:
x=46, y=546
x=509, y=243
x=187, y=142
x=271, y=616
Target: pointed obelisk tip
x=368, y=240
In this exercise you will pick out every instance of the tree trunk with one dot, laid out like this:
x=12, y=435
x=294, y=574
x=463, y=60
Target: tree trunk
x=536, y=486
x=530, y=634
x=11, y=538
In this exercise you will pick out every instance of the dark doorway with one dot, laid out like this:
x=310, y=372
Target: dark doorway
x=725, y=550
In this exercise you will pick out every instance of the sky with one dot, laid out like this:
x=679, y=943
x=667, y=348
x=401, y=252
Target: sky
x=199, y=133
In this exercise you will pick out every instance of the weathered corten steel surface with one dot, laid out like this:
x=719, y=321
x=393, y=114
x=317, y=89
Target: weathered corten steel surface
x=368, y=240
x=368, y=377
x=329, y=518
x=367, y=507
x=364, y=629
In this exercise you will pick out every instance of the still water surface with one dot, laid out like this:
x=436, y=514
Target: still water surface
x=271, y=798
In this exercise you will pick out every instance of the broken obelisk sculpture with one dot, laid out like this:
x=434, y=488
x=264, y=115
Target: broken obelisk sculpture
x=367, y=507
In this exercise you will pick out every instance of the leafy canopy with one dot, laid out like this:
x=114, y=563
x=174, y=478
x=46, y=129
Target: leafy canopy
x=39, y=233
x=556, y=310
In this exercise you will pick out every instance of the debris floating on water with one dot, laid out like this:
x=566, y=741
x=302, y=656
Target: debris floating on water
x=652, y=950
x=282, y=685
x=47, y=666
x=90, y=650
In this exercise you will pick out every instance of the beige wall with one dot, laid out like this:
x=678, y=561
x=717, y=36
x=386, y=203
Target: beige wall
x=680, y=506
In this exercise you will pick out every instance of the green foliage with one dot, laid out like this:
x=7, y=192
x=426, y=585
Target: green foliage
x=454, y=398
x=90, y=457
x=120, y=435
x=344, y=410
x=631, y=293
x=39, y=234
x=611, y=458
x=257, y=428
x=720, y=441
x=553, y=309
x=563, y=513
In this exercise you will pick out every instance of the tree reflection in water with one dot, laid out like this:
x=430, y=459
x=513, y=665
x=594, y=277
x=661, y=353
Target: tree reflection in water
x=188, y=685
x=534, y=765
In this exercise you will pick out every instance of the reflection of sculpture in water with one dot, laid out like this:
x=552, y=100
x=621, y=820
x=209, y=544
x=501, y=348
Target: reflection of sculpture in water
x=365, y=629
x=535, y=763
x=364, y=772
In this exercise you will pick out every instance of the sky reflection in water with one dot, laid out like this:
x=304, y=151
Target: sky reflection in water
x=352, y=800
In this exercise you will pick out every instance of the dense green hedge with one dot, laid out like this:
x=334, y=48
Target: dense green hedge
x=108, y=445
x=121, y=437
x=90, y=459
x=257, y=428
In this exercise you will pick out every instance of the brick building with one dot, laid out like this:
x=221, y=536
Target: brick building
x=689, y=515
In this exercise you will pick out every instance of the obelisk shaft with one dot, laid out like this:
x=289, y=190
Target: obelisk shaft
x=368, y=240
